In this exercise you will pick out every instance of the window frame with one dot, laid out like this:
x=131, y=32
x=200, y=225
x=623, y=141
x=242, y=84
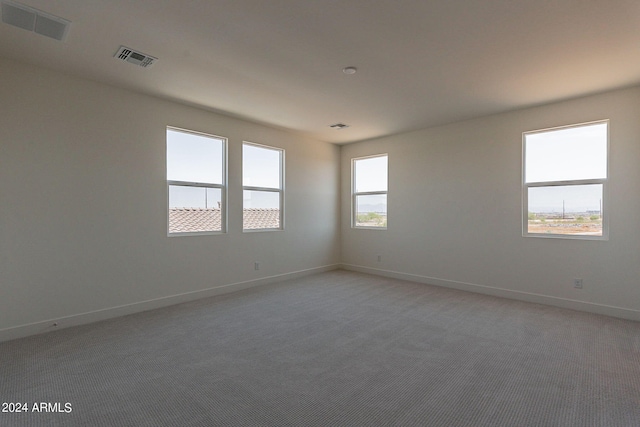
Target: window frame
x=222, y=187
x=566, y=183
x=280, y=190
x=354, y=194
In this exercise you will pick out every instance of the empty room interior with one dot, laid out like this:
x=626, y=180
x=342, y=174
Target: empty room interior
x=298, y=213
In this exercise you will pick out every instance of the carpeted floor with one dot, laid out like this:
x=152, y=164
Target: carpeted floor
x=334, y=349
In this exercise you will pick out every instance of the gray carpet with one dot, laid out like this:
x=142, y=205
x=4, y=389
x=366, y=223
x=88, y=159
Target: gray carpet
x=335, y=349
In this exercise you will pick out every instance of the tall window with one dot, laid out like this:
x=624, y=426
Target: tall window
x=564, y=181
x=263, y=187
x=369, y=192
x=196, y=182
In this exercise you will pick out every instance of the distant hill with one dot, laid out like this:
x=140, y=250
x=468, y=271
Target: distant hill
x=378, y=208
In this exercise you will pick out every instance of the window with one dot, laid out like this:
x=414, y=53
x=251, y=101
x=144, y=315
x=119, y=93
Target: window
x=369, y=192
x=262, y=187
x=196, y=177
x=565, y=180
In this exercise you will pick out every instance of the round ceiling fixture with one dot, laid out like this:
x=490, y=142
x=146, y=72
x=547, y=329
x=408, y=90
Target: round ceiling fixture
x=349, y=70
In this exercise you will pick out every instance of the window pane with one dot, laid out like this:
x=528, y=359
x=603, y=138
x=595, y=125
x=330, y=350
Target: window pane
x=567, y=154
x=261, y=210
x=261, y=166
x=371, y=210
x=370, y=174
x=569, y=209
x=194, y=197
x=194, y=158
x=193, y=209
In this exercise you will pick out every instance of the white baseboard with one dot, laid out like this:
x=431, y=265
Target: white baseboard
x=137, y=307
x=624, y=313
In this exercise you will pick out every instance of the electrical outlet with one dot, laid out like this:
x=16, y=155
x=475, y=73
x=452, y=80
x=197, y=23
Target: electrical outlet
x=577, y=283
x=379, y=258
x=256, y=266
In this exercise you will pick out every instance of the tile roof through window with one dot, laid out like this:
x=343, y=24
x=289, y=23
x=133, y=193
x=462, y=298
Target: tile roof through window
x=190, y=220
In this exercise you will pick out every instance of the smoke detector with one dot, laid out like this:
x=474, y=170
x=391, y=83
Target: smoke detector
x=135, y=57
x=31, y=19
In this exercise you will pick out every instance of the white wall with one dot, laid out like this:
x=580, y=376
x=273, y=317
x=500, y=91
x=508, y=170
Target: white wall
x=83, y=205
x=455, y=211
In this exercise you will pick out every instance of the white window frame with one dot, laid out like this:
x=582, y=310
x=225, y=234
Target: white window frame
x=601, y=181
x=280, y=190
x=222, y=187
x=354, y=194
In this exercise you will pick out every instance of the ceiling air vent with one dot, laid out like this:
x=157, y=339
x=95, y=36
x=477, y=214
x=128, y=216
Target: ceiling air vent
x=138, y=58
x=339, y=126
x=35, y=20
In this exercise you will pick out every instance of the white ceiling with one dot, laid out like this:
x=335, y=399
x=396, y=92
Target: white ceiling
x=279, y=62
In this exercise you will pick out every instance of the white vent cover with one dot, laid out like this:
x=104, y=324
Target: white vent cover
x=35, y=20
x=138, y=58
